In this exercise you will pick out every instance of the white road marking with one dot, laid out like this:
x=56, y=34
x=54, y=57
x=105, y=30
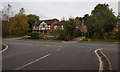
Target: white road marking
x=32, y=62
x=58, y=49
x=107, y=60
x=100, y=61
x=5, y=48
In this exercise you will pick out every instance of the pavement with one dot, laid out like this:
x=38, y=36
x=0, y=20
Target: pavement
x=78, y=39
x=39, y=55
x=17, y=38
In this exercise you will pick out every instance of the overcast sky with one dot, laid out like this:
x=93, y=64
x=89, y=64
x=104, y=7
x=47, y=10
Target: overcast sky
x=49, y=10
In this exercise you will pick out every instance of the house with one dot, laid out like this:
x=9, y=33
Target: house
x=48, y=26
x=45, y=26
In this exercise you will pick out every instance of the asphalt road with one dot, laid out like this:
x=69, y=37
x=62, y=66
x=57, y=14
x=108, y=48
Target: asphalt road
x=39, y=55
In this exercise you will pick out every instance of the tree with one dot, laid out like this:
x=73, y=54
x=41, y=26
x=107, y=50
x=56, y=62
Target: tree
x=6, y=14
x=68, y=31
x=31, y=20
x=79, y=18
x=86, y=16
x=101, y=20
x=18, y=24
x=5, y=28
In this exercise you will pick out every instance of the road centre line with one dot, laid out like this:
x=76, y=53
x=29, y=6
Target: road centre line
x=33, y=62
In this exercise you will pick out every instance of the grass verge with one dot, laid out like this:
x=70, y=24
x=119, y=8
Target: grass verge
x=99, y=41
x=2, y=46
x=106, y=64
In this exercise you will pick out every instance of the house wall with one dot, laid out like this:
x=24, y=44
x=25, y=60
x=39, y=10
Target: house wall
x=52, y=26
x=35, y=28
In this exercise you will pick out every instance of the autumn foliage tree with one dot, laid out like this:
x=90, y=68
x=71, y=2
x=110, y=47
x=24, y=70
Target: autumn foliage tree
x=18, y=24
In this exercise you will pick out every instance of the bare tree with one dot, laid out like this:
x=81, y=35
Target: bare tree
x=7, y=13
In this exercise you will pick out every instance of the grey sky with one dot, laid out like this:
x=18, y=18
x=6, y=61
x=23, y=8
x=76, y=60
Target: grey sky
x=49, y=10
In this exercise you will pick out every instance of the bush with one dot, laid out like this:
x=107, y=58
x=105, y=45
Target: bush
x=86, y=34
x=96, y=35
x=79, y=33
x=118, y=35
x=112, y=35
x=85, y=39
x=40, y=35
x=67, y=37
x=49, y=38
x=34, y=36
x=61, y=36
x=106, y=35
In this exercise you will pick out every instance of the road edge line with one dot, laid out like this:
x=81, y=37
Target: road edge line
x=107, y=60
x=100, y=61
x=5, y=48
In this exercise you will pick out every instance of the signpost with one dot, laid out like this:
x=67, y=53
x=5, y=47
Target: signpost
x=82, y=27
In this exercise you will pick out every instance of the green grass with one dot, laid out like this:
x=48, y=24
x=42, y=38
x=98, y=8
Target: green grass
x=106, y=65
x=50, y=38
x=99, y=41
x=2, y=46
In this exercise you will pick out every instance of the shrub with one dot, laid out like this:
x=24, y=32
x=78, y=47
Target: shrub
x=79, y=33
x=67, y=37
x=50, y=38
x=40, y=35
x=61, y=36
x=118, y=36
x=96, y=35
x=106, y=35
x=112, y=35
x=34, y=36
x=86, y=34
